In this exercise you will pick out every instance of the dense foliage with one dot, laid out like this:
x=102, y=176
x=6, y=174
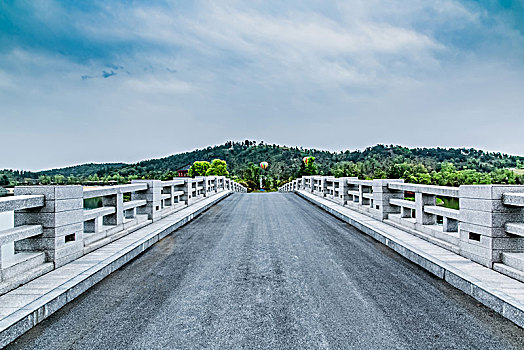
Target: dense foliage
x=198, y=168
x=218, y=167
x=202, y=168
x=452, y=167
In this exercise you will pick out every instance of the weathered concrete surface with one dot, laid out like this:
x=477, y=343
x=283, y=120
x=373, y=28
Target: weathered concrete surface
x=272, y=271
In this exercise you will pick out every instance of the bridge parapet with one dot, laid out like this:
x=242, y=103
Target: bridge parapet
x=484, y=223
x=54, y=225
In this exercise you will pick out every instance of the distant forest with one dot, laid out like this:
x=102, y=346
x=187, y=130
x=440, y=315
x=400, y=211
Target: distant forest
x=441, y=166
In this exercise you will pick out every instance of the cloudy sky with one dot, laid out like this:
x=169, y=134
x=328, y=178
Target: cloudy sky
x=99, y=81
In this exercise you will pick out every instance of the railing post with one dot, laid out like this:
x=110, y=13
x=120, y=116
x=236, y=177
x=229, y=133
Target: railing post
x=116, y=201
x=220, y=183
x=152, y=196
x=187, y=197
x=311, y=184
x=361, y=190
x=211, y=185
x=381, y=196
x=172, y=195
x=205, y=186
x=421, y=200
x=216, y=181
x=483, y=217
x=61, y=218
x=343, y=195
x=323, y=186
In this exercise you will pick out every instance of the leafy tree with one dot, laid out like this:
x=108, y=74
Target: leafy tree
x=199, y=168
x=72, y=180
x=44, y=180
x=347, y=169
x=250, y=184
x=4, y=180
x=93, y=178
x=218, y=167
x=440, y=166
x=168, y=175
x=504, y=176
x=310, y=168
x=59, y=179
x=252, y=173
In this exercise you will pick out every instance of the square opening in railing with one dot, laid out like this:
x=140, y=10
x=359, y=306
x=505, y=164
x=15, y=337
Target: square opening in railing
x=70, y=238
x=93, y=203
x=474, y=236
x=448, y=202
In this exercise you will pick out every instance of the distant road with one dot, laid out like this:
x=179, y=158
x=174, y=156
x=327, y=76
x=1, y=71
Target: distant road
x=271, y=271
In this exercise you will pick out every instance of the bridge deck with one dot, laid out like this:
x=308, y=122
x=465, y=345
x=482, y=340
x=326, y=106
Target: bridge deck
x=272, y=271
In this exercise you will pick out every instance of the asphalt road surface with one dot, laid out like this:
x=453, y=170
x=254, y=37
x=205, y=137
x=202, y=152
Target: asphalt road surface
x=272, y=271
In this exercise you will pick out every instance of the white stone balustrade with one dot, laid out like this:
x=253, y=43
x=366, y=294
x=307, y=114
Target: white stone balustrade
x=422, y=214
x=13, y=258
x=488, y=226
x=50, y=226
x=117, y=217
x=489, y=218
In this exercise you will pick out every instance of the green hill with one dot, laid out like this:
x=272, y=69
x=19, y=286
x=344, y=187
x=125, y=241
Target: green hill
x=414, y=164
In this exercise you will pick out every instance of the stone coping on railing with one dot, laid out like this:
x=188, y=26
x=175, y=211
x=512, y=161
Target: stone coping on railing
x=112, y=190
x=21, y=202
x=444, y=191
x=172, y=183
x=513, y=199
x=354, y=181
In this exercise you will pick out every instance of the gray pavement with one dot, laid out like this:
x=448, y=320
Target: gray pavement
x=272, y=271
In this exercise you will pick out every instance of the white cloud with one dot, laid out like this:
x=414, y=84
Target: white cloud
x=344, y=74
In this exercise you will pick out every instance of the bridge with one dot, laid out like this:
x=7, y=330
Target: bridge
x=342, y=263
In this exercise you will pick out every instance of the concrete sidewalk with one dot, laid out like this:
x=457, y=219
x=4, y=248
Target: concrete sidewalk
x=26, y=306
x=497, y=291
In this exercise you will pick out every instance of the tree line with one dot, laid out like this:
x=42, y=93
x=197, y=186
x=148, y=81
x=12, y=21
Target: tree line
x=439, y=166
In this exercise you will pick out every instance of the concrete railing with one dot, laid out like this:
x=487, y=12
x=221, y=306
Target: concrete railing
x=51, y=226
x=115, y=217
x=13, y=259
x=484, y=224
